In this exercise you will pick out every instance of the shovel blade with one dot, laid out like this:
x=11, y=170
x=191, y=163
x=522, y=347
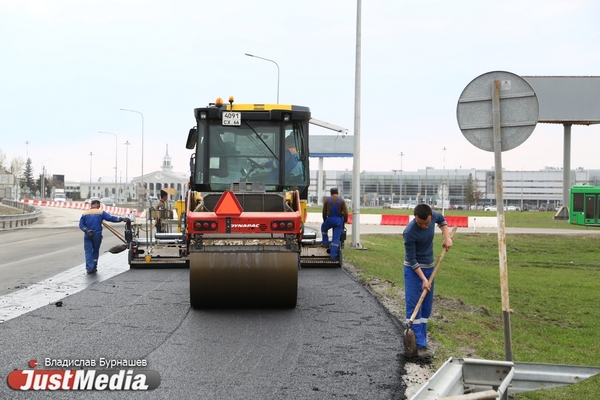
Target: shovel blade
x=118, y=248
x=410, y=343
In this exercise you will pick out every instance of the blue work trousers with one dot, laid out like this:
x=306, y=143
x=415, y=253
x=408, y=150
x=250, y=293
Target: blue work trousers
x=337, y=225
x=413, y=288
x=91, y=245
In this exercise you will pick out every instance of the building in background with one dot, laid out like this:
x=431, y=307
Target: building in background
x=174, y=183
x=438, y=187
x=448, y=187
x=9, y=186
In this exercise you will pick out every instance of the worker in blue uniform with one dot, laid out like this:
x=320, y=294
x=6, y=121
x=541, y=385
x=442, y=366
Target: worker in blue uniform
x=418, y=267
x=294, y=170
x=335, y=215
x=91, y=225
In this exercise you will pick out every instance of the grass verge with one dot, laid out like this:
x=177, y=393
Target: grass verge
x=512, y=219
x=554, y=289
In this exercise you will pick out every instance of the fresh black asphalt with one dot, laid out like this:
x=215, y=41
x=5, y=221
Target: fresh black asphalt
x=338, y=342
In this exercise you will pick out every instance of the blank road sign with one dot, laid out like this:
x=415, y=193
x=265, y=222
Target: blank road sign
x=519, y=110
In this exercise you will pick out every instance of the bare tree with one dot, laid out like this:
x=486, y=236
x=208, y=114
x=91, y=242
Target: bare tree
x=17, y=165
x=472, y=193
x=2, y=161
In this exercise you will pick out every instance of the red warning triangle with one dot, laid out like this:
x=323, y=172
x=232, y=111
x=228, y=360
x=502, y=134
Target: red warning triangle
x=228, y=205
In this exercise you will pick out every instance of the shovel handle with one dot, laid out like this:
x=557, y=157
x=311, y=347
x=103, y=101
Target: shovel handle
x=437, y=266
x=114, y=231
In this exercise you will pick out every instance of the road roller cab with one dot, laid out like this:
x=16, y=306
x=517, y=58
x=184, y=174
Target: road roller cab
x=244, y=216
x=241, y=232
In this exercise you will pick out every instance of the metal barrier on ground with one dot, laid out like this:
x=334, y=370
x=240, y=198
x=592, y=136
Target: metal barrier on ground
x=29, y=215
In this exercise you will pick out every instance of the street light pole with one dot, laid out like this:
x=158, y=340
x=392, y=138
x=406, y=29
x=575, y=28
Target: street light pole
x=521, y=189
x=426, y=184
x=91, y=154
x=116, y=158
x=266, y=59
x=401, y=155
x=143, y=199
x=444, y=157
x=356, y=178
x=126, y=168
x=443, y=186
x=43, y=180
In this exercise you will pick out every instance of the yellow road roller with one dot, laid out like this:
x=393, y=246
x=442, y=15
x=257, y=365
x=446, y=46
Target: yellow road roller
x=246, y=204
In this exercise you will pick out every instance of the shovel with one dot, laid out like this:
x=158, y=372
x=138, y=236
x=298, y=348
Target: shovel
x=119, y=247
x=410, y=341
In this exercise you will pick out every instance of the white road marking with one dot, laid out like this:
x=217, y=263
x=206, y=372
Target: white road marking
x=60, y=286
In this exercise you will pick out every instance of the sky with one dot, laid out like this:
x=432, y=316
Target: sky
x=68, y=67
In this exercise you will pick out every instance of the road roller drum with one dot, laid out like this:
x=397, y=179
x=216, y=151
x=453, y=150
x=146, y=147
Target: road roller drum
x=243, y=279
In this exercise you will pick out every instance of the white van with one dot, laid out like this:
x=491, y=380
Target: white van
x=60, y=197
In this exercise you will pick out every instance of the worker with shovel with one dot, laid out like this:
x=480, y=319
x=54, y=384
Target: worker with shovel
x=91, y=225
x=418, y=267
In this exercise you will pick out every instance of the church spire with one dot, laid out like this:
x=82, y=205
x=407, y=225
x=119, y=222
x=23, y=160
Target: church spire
x=166, y=165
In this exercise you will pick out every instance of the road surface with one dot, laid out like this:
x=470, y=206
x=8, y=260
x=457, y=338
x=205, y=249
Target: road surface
x=51, y=245
x=339, y=342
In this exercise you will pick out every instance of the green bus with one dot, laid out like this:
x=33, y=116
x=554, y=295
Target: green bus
x=585, y=205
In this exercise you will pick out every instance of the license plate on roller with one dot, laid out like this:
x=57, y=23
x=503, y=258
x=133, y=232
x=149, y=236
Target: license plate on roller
x=232, y=118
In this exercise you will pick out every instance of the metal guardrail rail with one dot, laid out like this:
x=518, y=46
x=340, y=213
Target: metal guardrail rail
x=465, y=378
x=531, y=376
x=29, y=216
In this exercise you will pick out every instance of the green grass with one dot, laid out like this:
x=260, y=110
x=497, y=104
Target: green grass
x=554, y=290
x=512, y=219
x=5, y=210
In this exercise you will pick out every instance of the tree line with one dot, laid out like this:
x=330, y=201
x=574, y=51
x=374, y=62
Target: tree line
x=24, y=174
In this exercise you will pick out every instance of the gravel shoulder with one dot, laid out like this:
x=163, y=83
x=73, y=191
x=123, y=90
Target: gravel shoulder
x=392, y=299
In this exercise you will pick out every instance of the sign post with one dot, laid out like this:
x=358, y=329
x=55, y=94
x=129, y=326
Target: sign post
x=497, y=112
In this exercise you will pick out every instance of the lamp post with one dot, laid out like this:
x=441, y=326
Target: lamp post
x=521, y=189
x=91, y=154
x=401, y=155
x=357, y=107
x=143, y=198
x=444, y=156
x=443, y=186
x=116, y=158
x=43, y=180
x=426, y=184
x=266, y=59
x=126, y=168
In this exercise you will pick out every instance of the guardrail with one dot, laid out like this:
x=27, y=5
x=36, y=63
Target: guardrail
x=474, y=379
x=29, y=216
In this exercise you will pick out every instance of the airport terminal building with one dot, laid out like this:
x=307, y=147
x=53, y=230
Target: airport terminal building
x=437, y=187
x=531, y=189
